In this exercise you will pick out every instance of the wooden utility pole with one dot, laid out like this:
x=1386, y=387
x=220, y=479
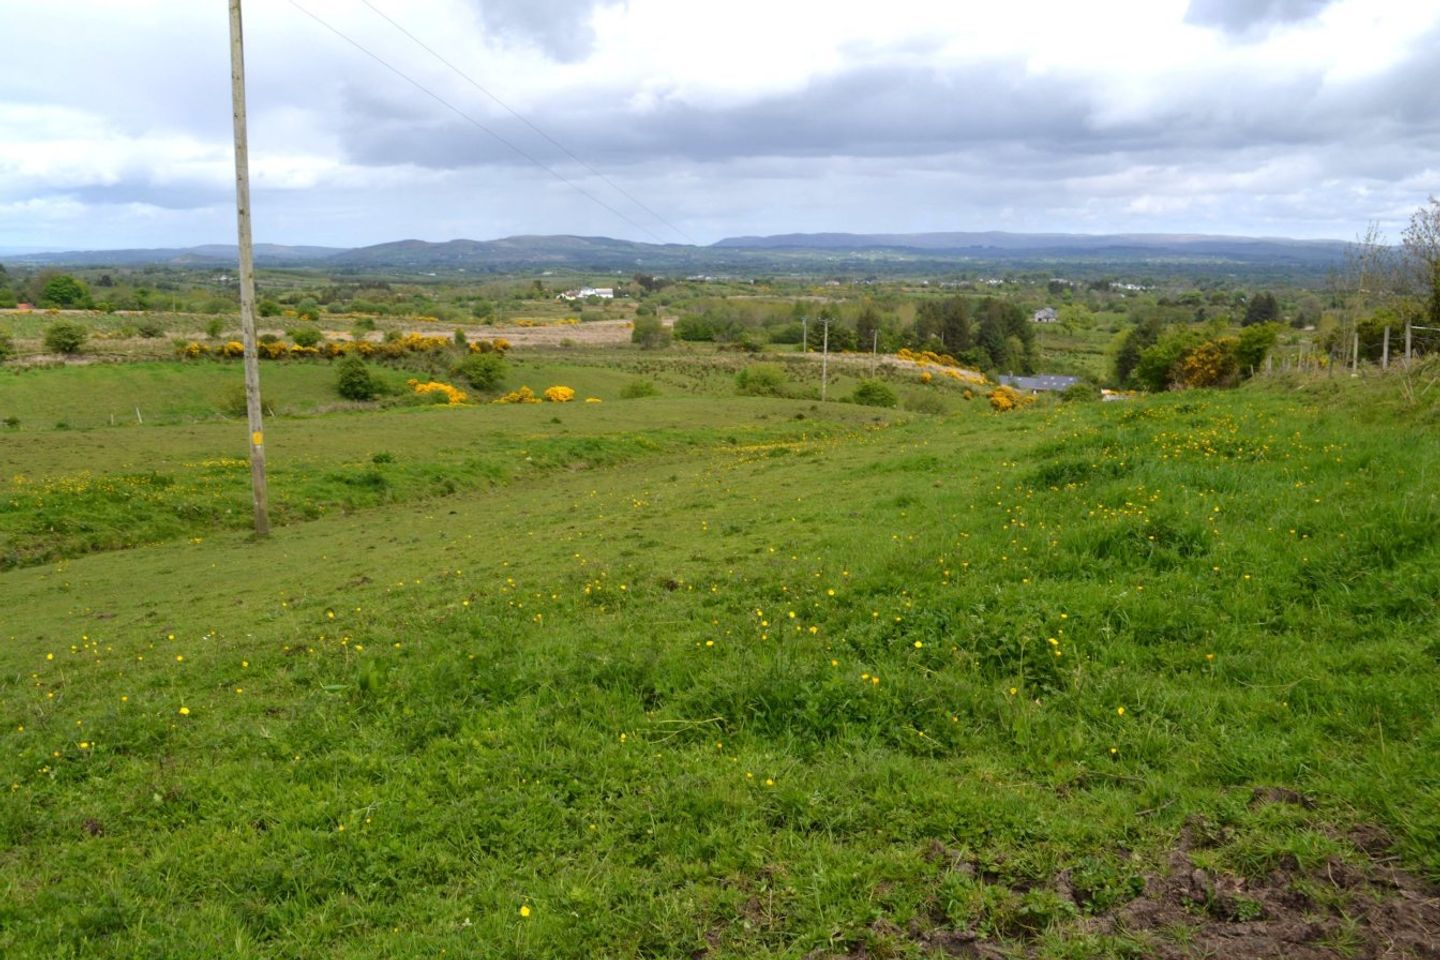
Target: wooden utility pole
x=1407, y=344
x=1385, y=357
x=1355, y=352
x=825, y=362
x=258, y=489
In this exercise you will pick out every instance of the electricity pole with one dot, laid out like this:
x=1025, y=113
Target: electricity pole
x=258, y=490
x=825, y=361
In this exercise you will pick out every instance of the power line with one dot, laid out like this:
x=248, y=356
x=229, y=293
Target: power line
x=472, y=121
x=518, y=116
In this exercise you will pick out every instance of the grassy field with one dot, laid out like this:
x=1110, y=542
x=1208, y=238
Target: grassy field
x=709, y=676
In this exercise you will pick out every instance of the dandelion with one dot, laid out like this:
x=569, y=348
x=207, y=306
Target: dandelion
x=918, y=644
x=84, y=744
x=49, y=656
x=525, y=910
x=1119, y=711
x=184, y=711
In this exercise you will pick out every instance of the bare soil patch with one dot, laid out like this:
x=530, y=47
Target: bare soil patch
x=1363, y=907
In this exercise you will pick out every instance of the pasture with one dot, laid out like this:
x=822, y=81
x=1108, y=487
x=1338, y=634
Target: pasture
x=717, y=676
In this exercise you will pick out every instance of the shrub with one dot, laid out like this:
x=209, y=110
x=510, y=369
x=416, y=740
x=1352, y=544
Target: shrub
x=1005, y=398
x=636, y=389
x=65, y=337
x=460, y=340
x=925, y=403
x=150, y=328
x=761, y=380
x=7, y=346
x=232, y=401
x=307, y=336
x=559, y=394
x=269, y=308
x=214, y=327
x=1081, y=392
x=308, y=310
x=873, y=393
x=650, y=333
x=483, y=371
x=354, y=380
x=438, y=392
x=523, y=395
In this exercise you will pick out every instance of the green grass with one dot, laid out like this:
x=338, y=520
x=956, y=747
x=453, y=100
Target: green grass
x=724, y=694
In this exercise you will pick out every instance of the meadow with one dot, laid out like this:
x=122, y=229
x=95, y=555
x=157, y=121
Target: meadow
x=717, y=676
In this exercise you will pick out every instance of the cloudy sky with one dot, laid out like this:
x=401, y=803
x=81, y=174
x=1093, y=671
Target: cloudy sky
x=692, y=120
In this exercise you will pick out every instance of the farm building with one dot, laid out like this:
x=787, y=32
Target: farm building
x=584, y=293
x=1041, y=383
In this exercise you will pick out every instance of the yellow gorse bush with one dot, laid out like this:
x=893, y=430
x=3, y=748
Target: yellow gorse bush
x=559, y=394
x=1008, y=398
x=949, y=366
x=453, y=395
x=523, y=395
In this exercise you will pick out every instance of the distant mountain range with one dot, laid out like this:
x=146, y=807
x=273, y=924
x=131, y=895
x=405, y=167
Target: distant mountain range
x=797, y=252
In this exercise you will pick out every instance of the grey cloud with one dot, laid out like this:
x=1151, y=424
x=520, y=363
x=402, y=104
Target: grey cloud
x=561, y=28
x=869, y=112
x=1240, y=16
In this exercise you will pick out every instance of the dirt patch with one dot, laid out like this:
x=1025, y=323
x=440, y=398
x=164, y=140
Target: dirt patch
x=1359, y=908
x=1342, y=909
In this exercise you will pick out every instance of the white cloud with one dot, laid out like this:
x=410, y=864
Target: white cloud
x=741, y=117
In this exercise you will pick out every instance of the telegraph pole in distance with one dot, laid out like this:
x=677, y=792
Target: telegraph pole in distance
x=825, y=361
x=258, y=487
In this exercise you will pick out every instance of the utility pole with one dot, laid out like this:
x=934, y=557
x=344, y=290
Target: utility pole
x=874, y=348
x=804, y=334
x=258, y=487
x=825, y=361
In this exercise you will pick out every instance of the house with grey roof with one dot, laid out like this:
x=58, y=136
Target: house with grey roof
x=1040, y=383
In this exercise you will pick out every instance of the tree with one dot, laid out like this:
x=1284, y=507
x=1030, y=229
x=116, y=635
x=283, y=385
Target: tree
x=649, y=333
x=63, y=290
x=1421, y=245
x=1262, y=308
x=1127, y=357
x=867, y=325
x=946, y=320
